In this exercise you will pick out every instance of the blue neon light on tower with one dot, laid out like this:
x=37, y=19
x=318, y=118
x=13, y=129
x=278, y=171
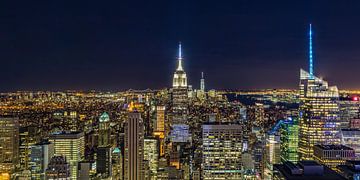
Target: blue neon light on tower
x=311, y=68
x=180, y=57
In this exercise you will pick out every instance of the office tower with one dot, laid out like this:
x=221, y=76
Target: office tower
x=117, y=164
x=71, y=145
x=58, y=168
x=160, y=119
x=134, y=147
x=272, y=154
x=333, y=155
x=202, y=82
x=200, y=94
x=289, y=135
x=351, y=138
x=28, y=136
x=160, y=130
x=179, y=93
x=151, y=155
x=9, y=144
x=318, y=111
x=349, y=110
x=222, y=148
x=40, y=156
x=103, y=155
x=259, y=114
x=258, y=157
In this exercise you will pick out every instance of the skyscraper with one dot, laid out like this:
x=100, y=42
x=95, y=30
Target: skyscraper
x=103, y=155
x=202, y=82
x=40, y=156
x=222, y=148
x=9, y=144
x=134, y=147
x=58, y=168
x=70, y=145
x=179, y=93
x=319, y=111
x=151, y=156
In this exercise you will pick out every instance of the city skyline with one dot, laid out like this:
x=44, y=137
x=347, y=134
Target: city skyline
x=122, y=46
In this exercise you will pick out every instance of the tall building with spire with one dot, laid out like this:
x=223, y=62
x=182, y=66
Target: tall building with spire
x=179, y=132
x=318, y=110
x=202, y=82
x=103, y=158
x=179, y=93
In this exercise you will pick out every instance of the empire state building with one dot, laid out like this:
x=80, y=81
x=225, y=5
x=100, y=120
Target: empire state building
x=179, y=93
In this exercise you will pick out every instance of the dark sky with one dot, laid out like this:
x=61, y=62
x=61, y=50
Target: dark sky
x=116, y=45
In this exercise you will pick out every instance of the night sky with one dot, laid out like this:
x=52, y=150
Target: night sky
x=117, y=45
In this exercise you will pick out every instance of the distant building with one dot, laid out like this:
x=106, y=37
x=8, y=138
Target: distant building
x=71, y=145
x=134, y=147
x=333, y=155
x=9, y=144
x=304, y=170
x=58, y=168
x=222, y=149
x=41, y=154
x=151, y=155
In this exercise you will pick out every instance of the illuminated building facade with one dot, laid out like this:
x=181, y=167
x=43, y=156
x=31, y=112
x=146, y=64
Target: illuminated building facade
x=58, y=168
x=9, y=144
x=179, y=93
x=259, y=114
x=40, y=157
x=103, y=158
x=333, y=155
x=134, y=147
x=289, y=134
x=160, y=118
x=117, y=164
x=272, y=155
x=319, y=112
x=222, y=149
x=71, y=146
x=151, y=155
x=351, y=138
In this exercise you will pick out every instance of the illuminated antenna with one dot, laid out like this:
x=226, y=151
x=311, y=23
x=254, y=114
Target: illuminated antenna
x=180, y=68
x=311, y=68
x=180, y=56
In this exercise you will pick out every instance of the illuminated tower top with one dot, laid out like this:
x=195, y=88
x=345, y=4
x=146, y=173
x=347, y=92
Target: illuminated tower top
x=180, y=79
x=311, y=68
x=180, y=68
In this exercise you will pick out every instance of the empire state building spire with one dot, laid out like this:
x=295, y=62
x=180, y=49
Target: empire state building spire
x=180, y=68
x=180, y=80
